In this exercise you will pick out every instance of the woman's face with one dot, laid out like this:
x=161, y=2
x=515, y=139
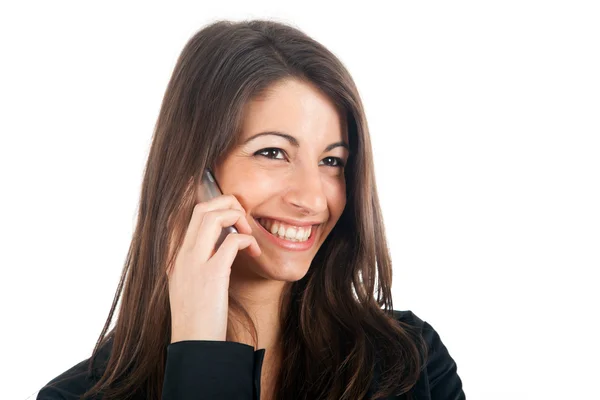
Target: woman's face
x=287, y=171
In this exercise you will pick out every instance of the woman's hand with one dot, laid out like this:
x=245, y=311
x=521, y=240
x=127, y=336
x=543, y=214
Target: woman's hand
x=199, y=278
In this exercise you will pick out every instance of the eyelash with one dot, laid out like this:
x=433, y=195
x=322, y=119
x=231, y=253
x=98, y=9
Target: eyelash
x=339, y=161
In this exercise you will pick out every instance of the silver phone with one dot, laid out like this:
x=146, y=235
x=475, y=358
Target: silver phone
x=209, y=188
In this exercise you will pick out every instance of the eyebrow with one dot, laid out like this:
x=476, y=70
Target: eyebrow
x=294, y=141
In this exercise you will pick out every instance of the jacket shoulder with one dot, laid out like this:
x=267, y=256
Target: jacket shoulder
x=70, y=384
x=439, y=378
x=408, y=317
x=74, y=382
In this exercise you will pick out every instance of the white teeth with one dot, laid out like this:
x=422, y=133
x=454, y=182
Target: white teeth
x=281, y=231
x=292, y=233
x=274, y=227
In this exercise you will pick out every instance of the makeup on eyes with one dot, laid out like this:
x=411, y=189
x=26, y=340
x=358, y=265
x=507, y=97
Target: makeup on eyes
x=274, y=153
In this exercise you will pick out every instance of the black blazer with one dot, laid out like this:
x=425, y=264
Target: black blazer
x=203, y=369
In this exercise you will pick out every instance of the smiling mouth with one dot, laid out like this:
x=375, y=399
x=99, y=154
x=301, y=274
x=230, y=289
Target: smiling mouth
x=281, y=230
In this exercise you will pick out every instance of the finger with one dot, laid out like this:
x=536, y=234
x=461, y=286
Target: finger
x=210, y=230
x=230, y=201
x=220, y=202
x=231, y=246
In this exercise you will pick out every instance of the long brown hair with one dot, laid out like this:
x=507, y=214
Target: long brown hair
x=337, y=320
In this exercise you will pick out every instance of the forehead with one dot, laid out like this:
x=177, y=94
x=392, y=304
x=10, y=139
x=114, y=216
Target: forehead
x=297, y=108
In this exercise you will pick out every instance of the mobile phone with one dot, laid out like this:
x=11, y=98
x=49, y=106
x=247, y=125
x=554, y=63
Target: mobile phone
x=209, y=188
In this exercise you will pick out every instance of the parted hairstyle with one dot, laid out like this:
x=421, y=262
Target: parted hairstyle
x=337, y=321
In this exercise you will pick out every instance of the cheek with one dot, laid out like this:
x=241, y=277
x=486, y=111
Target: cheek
x=252, y=186
x=336, y=199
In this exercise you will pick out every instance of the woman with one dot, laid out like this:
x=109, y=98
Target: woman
x=285, y=308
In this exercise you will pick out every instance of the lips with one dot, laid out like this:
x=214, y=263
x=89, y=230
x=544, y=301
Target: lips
x=286, y=243
x=282, y=230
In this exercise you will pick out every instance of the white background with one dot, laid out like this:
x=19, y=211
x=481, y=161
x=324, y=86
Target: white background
x=485, y=119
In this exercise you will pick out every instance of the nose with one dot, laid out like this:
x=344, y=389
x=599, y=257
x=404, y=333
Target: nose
x=306, y=192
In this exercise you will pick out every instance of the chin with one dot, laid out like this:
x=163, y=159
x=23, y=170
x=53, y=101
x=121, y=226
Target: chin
x=267, y=268
x=288, y=272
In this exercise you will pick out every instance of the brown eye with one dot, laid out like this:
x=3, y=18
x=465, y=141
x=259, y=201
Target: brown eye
x=271, y=153
x=333, y=162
